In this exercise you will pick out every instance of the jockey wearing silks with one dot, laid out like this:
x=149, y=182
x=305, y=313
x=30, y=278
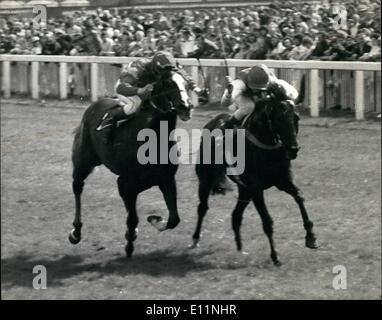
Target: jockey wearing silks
x=251, y=85
x=136, y=83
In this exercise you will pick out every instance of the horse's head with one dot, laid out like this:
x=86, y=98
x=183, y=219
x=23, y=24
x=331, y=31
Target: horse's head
x=173, y=96
x=283, y=122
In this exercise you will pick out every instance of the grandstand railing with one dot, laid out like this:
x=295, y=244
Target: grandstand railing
x=347, y=78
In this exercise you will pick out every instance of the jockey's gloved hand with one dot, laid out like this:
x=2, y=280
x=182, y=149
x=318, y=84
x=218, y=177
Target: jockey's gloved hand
x=277, y=91
x=229, y=84
x=144, y=92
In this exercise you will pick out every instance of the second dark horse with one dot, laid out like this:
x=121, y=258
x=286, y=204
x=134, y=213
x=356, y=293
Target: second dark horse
x=270, y=145
x=169, y=100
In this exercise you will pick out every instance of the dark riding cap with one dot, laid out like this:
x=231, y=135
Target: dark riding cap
x=163, y=61
x=259, y=77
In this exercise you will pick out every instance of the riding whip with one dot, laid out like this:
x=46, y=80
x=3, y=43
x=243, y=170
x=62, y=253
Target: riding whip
x=224, y=52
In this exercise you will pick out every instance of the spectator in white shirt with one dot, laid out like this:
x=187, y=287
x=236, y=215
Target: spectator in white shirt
x=36, y=46
x=107, y=45
x=302, y=50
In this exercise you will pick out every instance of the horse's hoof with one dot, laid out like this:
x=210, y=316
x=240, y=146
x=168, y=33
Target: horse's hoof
x=171, y=224
x=157, y=222
x=277, y=263
x=129, y=251
x=275, y=259
x=244, y=253
x=311, y=243
x=194, y=244
x=73, y=239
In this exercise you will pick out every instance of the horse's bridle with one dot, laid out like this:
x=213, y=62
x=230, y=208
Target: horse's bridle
x=275, y=136
x=163, y=93
x=170, y=109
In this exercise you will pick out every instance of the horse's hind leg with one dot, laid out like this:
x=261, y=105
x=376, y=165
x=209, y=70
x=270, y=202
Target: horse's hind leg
x=169, y=193
x=168, y=189
x=205, y=186
x=258, y=200
x=81, y=171
x=129, y=197
x=310, y=238
x=237, y=214
x=84, y=160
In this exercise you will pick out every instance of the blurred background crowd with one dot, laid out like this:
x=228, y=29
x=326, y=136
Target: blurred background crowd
x=282, y=30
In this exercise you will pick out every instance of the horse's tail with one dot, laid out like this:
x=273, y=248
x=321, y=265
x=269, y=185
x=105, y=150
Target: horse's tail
x=82, y=138
x=76, y=130
x=78, y=140
x=210, y=173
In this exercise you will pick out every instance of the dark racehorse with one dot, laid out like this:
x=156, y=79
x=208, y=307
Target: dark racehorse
x=270, y=145
x=169, y=100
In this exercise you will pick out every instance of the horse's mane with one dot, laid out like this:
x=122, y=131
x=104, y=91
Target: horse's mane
x=256, y=113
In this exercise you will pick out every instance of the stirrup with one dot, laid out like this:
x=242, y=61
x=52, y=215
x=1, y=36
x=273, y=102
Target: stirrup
x=102, y=125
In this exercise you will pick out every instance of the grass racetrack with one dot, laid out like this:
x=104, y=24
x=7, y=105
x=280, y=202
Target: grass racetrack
x=338, y=169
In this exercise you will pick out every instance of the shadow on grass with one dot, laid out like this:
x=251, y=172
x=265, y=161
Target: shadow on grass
x=17, y=270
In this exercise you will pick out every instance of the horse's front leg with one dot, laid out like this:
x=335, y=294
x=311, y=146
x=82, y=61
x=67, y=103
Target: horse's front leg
x=310, y=238
x=168, y=188
x=129, y=197
x=258, y=200
x=237, y=214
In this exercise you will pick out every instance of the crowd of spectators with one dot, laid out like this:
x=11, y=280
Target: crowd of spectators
x=282, y=30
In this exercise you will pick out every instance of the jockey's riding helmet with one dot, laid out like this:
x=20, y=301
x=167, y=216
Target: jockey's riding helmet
x=259, y=77
x=163, y=61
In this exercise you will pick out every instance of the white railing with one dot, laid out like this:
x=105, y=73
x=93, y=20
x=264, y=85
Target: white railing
x=313, y=66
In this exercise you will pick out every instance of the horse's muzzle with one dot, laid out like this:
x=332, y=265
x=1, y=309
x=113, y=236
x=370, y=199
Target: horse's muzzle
x=185, y=113
x=292, y=152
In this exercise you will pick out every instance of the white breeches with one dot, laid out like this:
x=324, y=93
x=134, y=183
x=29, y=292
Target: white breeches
x=242, y=106
x=130, y=104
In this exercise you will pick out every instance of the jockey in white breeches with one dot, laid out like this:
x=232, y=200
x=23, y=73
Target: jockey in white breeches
x=135, y=85
x=251, y=85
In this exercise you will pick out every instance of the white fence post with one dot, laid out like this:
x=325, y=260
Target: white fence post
x=7, y=79
x=94, y=81
x=63, y=80
x=195, y=74
x=314, y=89
x=232, y=72
x=314, y=66
x=359, y=95
x=35, y=79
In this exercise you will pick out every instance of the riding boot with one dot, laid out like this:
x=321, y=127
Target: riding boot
x=109, y=122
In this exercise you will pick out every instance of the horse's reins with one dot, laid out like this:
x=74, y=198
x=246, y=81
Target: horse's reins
x=252, y=138
x=159, y=109
x=274, y=136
